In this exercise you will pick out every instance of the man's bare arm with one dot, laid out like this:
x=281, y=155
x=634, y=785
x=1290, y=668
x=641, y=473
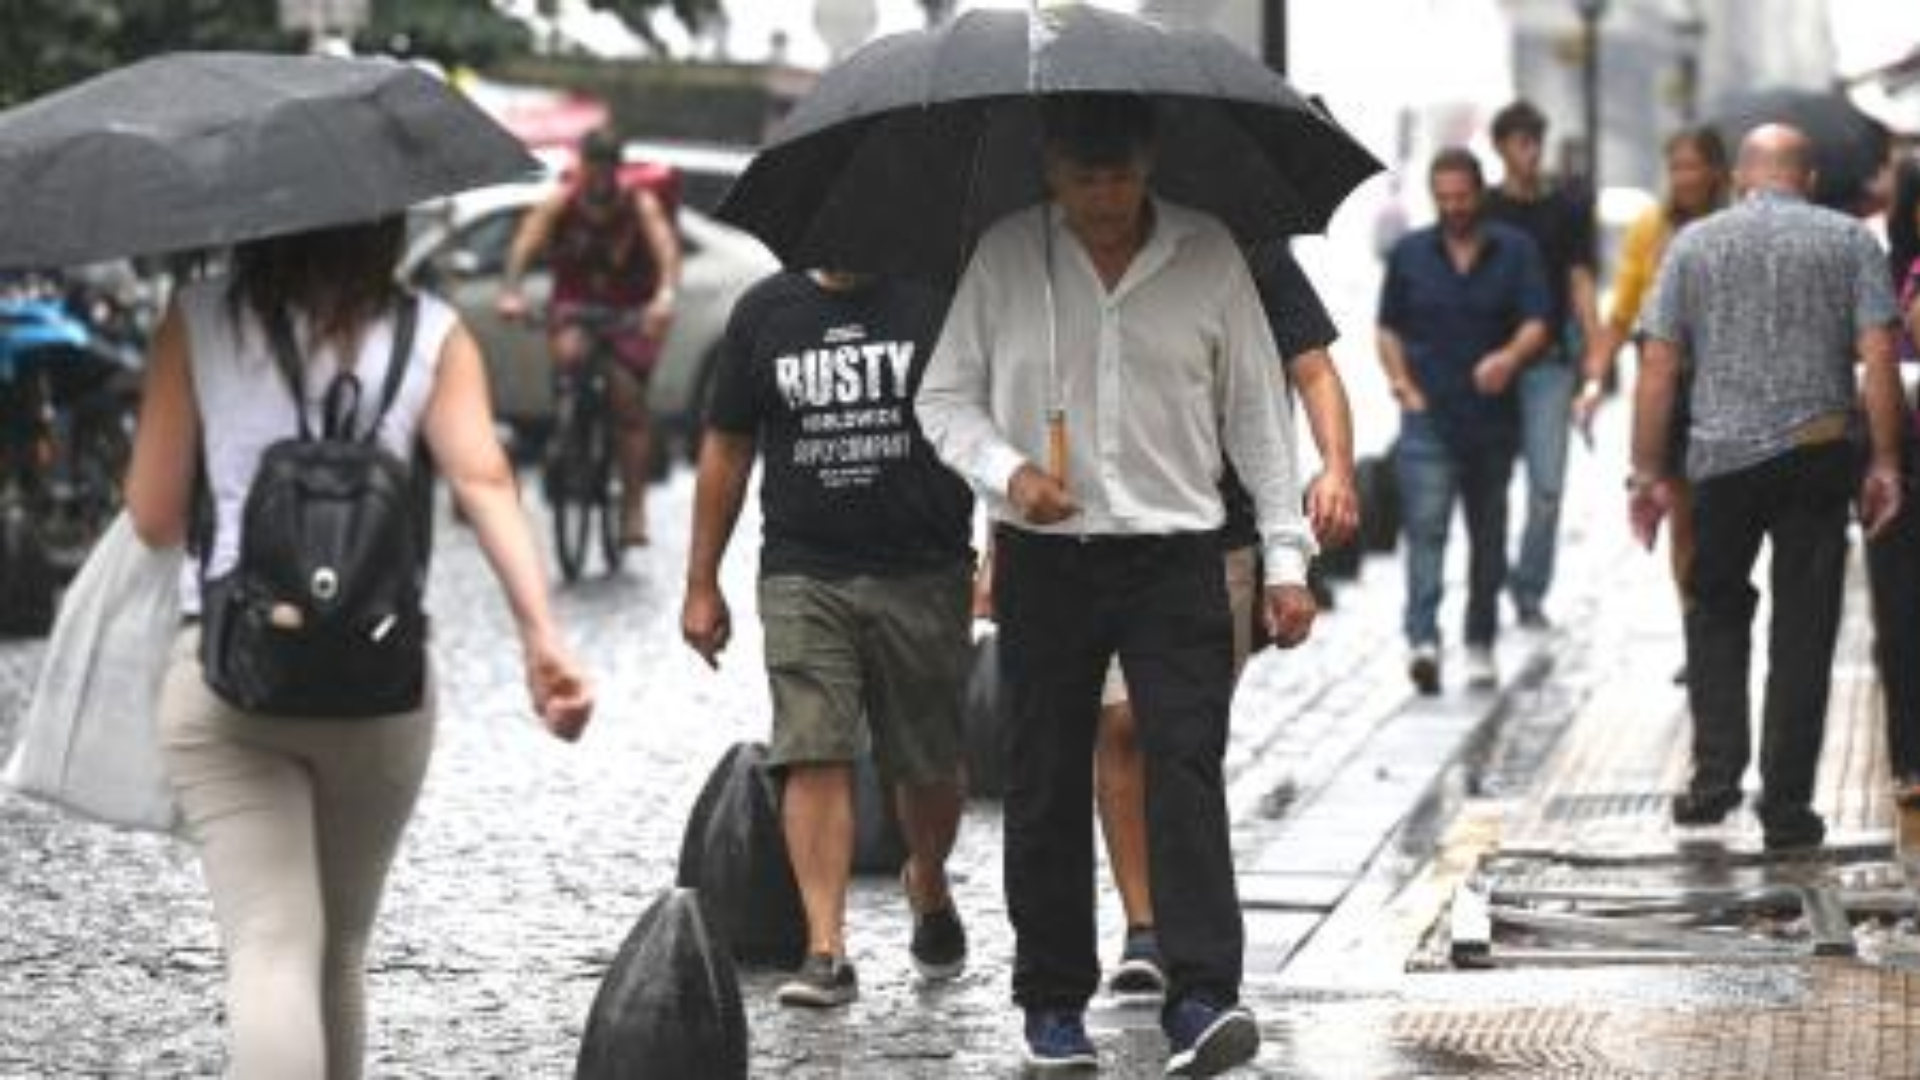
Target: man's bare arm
x=536, y=229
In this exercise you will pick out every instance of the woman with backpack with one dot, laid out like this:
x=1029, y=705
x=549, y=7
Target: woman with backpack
x=297, y=717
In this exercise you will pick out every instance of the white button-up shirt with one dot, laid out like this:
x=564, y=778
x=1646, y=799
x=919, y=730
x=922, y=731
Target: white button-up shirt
x=1157, y=377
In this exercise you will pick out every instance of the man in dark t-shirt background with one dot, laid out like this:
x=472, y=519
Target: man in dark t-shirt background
x=865, y=569
x=1560, y=221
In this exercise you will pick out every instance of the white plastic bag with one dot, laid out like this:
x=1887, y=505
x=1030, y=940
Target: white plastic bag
x=89, y=742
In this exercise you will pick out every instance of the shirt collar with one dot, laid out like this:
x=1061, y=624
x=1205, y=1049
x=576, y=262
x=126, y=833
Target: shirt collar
x=1776, y=197
x=1489, y=242
x=1172, y=225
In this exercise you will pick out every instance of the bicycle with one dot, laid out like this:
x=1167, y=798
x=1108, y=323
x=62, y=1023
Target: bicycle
x=582, y=474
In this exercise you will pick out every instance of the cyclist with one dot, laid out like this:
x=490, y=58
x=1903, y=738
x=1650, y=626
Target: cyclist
x=613, y=250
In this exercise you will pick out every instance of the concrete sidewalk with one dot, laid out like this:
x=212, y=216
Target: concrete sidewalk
x=1619, y=984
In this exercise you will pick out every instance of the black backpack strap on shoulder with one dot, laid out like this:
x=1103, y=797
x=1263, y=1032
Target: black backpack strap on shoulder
x=406, y=313
x=286, y=357
x=200, y=509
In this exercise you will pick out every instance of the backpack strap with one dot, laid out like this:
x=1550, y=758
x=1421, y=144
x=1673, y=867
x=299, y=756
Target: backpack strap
x=406, y=315
x=286, y=357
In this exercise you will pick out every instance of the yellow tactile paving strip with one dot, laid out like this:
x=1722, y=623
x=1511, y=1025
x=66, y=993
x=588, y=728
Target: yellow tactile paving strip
x=1857, y=1022
x=1630, y=745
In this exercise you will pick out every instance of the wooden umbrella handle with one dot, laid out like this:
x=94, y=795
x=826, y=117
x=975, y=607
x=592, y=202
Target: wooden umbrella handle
x=1057, y=445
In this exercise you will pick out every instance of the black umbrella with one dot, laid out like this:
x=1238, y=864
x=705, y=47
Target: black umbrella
x=195, y=150
x=905, y=151
x=1849, y=147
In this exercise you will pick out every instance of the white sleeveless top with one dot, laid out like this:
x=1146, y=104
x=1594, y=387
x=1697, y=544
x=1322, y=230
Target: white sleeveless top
x=245, y=404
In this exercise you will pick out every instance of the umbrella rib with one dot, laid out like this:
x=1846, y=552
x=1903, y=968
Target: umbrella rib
x=973, y=186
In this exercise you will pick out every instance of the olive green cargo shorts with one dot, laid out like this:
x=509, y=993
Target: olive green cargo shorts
x=870, y=663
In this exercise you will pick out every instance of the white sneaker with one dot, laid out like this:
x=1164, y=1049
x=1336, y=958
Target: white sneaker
x=1482, y=674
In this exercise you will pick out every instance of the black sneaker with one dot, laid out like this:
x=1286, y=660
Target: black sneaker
x=939, y=945
x=823, y=982
x=1791, y=828
x=1205, y=1040
x=1057, y=1042
x=1140, y=973
x=1534, y=619
x=1423, y=667
x=1709, y=807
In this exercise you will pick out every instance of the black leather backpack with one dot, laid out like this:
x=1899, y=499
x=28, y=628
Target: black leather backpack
x=322, y=615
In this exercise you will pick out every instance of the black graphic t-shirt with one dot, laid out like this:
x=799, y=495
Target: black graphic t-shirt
x=824, y=379
x=1300, y=324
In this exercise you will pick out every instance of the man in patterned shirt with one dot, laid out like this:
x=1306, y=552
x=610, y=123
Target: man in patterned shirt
x=1770, y=304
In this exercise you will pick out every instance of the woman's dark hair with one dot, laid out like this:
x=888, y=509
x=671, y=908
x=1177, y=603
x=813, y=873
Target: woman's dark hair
x=1903, y=233
x=340, y=278
x=1705, y=140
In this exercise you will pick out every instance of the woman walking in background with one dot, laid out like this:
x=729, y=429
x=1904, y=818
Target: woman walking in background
x=1699, y=181
x=297, y=820
x=1893, y=559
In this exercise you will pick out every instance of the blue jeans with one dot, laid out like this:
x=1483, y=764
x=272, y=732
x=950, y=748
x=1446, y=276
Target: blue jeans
x=1431, y=475
x=1546, y=389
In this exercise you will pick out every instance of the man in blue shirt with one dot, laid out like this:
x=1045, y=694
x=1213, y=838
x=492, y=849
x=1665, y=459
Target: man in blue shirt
x=1463, y=309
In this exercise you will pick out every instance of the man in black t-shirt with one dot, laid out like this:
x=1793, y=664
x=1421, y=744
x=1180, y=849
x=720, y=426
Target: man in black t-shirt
x=1560, y=221
x=863, y=597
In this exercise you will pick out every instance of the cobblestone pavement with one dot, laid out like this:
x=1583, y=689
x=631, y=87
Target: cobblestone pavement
x=529, y=860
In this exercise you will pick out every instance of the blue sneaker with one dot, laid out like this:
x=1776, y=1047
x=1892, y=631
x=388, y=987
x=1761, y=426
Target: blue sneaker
x=1206, y=1040
x=1057, y=1041
x=1140, y=973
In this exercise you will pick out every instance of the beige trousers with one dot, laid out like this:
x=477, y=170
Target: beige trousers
x=297, y=822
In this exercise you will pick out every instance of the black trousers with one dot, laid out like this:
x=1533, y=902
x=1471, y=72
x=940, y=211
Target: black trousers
x=1065, y=607
x=1893, y=568
x=1798, y=502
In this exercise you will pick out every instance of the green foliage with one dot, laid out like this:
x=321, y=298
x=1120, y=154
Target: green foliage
x=51, y=43
x=693, y=14
x=468, y=33
x=48, y=44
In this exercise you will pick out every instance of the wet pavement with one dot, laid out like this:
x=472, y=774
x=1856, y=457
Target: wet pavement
x=529, y=860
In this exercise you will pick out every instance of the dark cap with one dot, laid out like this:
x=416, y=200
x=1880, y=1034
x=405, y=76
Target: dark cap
x=600, y=147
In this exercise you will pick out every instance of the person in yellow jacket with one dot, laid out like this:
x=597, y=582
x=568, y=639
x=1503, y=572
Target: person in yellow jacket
x=1698, y=181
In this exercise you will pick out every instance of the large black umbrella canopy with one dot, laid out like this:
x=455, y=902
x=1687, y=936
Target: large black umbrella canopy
x=1849, y=147
x=194, y=150
x=903, y=153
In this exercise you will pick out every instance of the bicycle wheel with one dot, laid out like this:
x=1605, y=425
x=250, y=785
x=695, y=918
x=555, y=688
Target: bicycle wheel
x=568, y=493
x=613, y=546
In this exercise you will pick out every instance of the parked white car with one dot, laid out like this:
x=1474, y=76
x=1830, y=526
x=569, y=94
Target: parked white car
x=459, y=251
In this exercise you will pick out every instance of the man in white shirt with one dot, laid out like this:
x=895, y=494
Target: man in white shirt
x=1103, y=353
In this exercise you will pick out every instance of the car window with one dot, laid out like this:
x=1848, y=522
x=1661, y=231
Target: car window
x=480, y=247
x=704, y=190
